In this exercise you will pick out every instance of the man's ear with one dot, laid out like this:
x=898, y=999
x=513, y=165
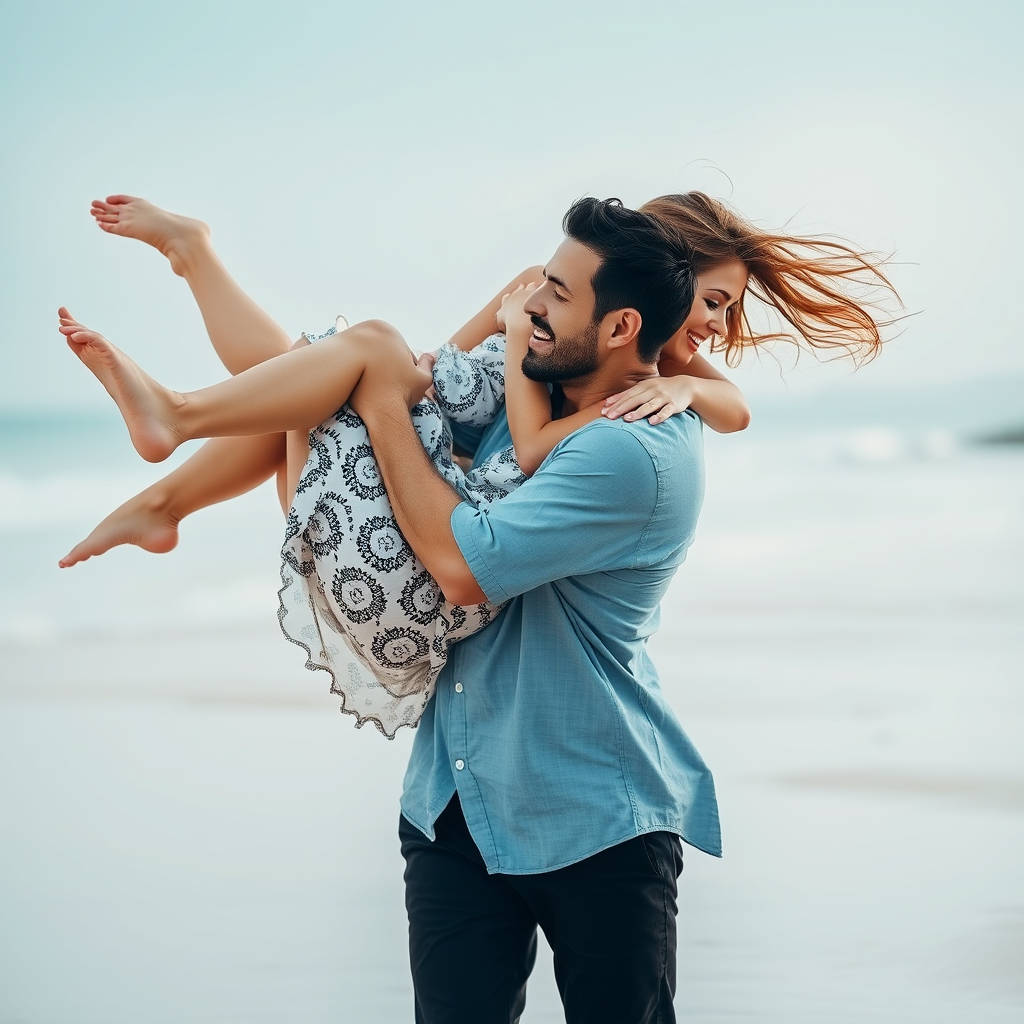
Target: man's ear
x=625, y=327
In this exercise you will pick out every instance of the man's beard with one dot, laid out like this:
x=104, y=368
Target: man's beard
x=568, y=359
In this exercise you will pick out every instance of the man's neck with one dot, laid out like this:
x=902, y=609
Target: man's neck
x=596, y=387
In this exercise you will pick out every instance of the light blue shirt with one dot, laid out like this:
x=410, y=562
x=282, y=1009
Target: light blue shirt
x=551, y=723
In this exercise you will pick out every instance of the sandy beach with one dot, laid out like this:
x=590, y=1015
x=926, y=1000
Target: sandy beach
x=189, y=831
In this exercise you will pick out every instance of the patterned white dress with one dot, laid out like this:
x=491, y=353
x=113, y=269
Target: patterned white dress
x=354, y=596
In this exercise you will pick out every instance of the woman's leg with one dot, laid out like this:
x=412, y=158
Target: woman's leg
x=242, y=333
x=293, y=391
x=223, y=468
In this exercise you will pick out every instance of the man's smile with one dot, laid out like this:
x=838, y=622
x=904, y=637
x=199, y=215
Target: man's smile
x=542, y=335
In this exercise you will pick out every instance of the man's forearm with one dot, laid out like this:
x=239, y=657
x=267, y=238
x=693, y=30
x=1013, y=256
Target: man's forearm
x=422, y=501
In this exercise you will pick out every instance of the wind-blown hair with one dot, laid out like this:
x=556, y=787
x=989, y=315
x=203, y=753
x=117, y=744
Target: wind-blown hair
x=645, y=265
x=813, y=283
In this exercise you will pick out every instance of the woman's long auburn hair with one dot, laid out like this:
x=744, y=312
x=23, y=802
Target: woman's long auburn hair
x=807, y=280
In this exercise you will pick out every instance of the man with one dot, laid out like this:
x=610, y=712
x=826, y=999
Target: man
x=549, y=781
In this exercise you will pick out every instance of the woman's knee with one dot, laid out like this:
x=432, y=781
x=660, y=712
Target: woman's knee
x=377, y=334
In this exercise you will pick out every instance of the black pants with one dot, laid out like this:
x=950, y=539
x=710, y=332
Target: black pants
x=610, y=920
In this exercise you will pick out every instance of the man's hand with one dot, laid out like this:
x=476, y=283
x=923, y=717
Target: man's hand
x=393, y=380
x=426, y=362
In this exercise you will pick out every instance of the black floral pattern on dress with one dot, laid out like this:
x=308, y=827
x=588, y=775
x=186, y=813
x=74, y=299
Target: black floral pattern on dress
x=458, y=391
x=304, y=567
x=354, y=596
x=421, y=598
x=318, y=465
x=358, y=594
x=325, y=531
x=293, y=527
x=334, y=436
x=491, y=492
x=362, y=475
x=443, y=449
x=346, y=417
x=399, y=646
x=433, y=430
x=449, y=620
x=470, y=386
x=382, y=545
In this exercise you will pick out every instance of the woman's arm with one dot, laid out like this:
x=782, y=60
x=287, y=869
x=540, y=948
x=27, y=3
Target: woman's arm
x=484, y=324
x=695, y=384
x=528, y=402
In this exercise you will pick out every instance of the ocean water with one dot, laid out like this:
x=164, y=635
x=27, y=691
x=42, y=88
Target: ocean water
x=189, y=831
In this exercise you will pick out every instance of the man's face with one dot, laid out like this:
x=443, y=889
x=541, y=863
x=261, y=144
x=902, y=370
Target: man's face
x=564, y=343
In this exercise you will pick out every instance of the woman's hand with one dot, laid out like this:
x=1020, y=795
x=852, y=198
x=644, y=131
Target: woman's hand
x=654, y=399
x=512, y=315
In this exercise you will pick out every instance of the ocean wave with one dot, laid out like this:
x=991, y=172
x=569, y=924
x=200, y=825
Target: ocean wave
x=878, y=444
x=245, y=601
x=870, y=445
x=31, y=503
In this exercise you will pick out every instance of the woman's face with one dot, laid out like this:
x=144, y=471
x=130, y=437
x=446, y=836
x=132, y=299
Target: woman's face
x=718, y=289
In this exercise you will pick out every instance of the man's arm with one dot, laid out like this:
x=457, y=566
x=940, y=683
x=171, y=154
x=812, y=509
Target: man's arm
x=422, y=501
x=598, y=504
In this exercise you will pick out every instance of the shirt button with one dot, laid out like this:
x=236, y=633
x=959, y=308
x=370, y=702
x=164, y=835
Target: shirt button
x=458, y=687
x=460, y=764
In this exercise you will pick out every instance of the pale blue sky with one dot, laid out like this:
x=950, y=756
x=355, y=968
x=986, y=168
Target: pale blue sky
x=403, y=160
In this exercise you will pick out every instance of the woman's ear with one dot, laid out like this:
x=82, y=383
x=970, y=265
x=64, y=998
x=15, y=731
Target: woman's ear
x=625, y=327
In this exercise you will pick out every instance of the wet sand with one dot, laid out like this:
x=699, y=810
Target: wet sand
x=189, y=831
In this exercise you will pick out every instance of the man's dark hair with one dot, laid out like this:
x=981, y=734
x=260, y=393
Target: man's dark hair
x=644, y=266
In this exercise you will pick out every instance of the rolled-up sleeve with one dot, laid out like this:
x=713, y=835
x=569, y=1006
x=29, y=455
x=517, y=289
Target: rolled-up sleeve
x=585, y=510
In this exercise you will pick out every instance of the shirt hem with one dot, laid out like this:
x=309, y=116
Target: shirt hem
x=711, y=852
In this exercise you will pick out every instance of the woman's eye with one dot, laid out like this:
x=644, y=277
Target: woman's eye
x=711, y=304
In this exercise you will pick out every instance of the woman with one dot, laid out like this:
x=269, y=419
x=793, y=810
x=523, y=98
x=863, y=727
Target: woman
x=806, y=280
x=243, y=335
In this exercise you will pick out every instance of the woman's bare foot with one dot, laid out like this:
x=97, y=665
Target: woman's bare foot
x=172, y=234
x=144, y=520
x=148, y=408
